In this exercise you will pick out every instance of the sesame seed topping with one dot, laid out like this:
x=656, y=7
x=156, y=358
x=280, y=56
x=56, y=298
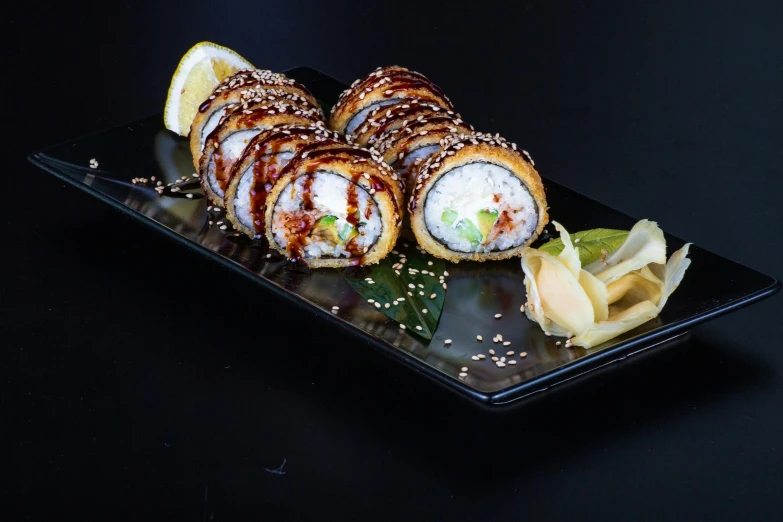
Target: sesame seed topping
x=418, y=327
x=447, y=341
x=433, y=296
x=463, y=374
x=479, y=338
x=494, y=358
x=481, y=356
x=498, y=316
x=510, y=352
x=475, y=358
x=523, y=354
x=511, y=361
x=464, y=368
x=402, y=327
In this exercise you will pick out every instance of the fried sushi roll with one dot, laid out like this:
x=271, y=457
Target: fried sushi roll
x=386, y=118
x=478, y=198
x=228, y=140
x=237, y=92
x=407, y=147
x=334, y=207
x=384, y=86
x=260, y=166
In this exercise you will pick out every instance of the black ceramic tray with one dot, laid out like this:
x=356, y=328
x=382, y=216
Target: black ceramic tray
x=477, y=291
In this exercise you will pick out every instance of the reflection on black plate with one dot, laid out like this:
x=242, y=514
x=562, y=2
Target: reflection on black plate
x=477, y=291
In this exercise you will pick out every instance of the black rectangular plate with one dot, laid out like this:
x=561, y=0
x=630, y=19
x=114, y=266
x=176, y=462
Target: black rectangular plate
x=477, y=291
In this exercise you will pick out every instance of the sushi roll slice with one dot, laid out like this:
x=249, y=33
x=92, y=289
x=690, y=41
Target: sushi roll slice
x=226, y=143
x=334, y=207
x=383, y=119
x=384, y=86
x=238, y=91
x=259, y=167
x=407, y=147
x=478, y=198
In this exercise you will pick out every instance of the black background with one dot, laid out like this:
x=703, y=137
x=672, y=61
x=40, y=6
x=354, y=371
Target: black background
x=142, y=381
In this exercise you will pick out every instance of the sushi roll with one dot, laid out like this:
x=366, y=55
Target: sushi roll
x=238, y=91
x=259, y=167
x=383, y=119
x=384, y=86
x=228, y=140
x=407, y=147
x=334, y=207
x=478, y=198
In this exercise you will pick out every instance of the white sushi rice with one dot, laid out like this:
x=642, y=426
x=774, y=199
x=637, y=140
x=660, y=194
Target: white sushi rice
x=409, y=159
x=243, y=197
x=471, y=188
x=330, y=197
x=230, y=149
x=210, y=125
x=360, y=117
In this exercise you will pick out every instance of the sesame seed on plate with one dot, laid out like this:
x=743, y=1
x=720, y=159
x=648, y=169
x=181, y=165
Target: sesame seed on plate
x=507, y=343
x=475, y=358
x=223, y=227
x=502, y=359
x=479, y=338
x=463, y=374
x=447, y=341
x=491, y=351
x=498, y=316
x=482, y=356
x=511, y=361
x=501, y=364
x=523, y=354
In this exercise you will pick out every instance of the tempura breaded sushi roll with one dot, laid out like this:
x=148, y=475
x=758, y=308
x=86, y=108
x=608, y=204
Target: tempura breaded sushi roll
x=407, y=147
x=385, y=118
x=226, y=143
x=384, y=86
x=478, y=198
x=236, y=92
x=334, y=207
x=259, y=167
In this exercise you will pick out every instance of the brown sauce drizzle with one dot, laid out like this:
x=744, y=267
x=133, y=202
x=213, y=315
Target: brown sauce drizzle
x=400, y=80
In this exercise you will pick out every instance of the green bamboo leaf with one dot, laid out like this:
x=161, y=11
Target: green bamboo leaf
x=589, y=243
x=385, y=284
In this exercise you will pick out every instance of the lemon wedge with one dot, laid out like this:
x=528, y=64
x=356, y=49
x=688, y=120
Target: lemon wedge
x=199, y=71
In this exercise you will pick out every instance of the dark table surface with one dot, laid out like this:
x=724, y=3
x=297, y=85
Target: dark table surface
x=142, y=381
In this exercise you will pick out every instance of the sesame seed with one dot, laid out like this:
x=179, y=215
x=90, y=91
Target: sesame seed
x=475, y=358
x=335, y=307
x=421, y=285
x=577, y=240
x=377, y=305
x=223, y=227
x=522, y=309
x=418, y=327
x=447, y=341
x=444, y=286
x=502, y=359
x=479, y=338
x=510, y=352
x=557, y=343
x=402, y=327
x=410, y=294
x=433, y=296
x=387, y=305
x=604, y=251
x=411, y=285
x=511, y=361
x=500, y=337
x=501, y=365
x=268, y=256
x=491, y=351
x=421, y=293
x=189, y=196
x=464, y=369
x=523, y=354
x=498, y=316
x=463, y=374
x=481, y=356
x=424, y=311
x=495, y=358
x=446, y=274
x=507, y=343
